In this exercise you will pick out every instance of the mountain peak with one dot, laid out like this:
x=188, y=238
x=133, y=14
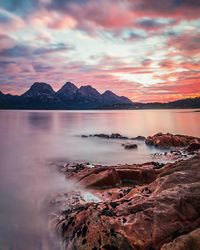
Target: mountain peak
x=110, y=98
x=67, y=92
x=39, y=88
x=109, y=93
x=41, y=85
x=68, y=86
x=88, y=90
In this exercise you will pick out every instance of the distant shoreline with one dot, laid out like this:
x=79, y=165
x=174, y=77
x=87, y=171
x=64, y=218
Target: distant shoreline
x=93, y=109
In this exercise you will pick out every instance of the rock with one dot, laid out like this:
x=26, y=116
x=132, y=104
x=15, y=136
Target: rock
x=169, y=140
x=84, y=136
x=164, y=206
x=130, y=146
x=139, y=138
x=193, y=147
x=184, y=242
x=107, y=178
x=118, y=136
x=101, y=136
x=111, y=176
x=113, y=136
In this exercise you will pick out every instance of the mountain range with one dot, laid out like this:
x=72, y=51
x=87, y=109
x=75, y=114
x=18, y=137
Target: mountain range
x=42, y=96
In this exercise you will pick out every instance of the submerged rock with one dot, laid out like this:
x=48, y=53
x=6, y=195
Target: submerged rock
x=129, y=146
x=114, y=136
x=139, y=138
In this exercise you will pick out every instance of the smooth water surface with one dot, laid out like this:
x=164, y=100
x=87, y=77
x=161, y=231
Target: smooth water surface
x=31, y=140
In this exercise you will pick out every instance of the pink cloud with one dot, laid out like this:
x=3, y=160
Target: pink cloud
x=116, y=14
x=187, y=44
x=51, y=19
x=12, y=23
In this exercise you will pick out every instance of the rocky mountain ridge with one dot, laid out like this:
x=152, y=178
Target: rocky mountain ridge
x=42, y=96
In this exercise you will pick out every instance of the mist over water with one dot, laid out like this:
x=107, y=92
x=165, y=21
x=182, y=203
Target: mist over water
x=30, y=141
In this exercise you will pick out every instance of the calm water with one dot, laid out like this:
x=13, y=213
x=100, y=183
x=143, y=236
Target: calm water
x=31, y=140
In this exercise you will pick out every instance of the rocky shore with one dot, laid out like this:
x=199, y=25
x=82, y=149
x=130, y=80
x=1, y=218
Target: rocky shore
x=140, y=206
x=114, y=136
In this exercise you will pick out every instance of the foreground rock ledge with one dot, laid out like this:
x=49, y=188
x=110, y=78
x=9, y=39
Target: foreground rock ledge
x=144, y=207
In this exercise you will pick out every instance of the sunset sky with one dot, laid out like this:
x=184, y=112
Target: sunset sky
x=148, y=50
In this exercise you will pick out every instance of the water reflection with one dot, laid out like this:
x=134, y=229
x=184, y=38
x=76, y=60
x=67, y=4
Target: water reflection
x=40, y=120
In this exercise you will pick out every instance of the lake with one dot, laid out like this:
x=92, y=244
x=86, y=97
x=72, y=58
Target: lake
x=33, y=142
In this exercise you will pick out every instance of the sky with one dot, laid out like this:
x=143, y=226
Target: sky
x=147, y=50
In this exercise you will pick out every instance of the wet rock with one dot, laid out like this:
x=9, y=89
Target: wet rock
x=130, y=146
x=107, y=178
x=118, y=136
x=163, y=209
x=169, y=140
x=158, y=165
x=101, y=136
x=139, y=138
x=114, y=136
x=84, y=136
x=104, y=177
x=193, y=147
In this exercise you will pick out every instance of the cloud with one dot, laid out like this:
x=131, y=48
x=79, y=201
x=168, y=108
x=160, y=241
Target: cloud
x=6, y=42
x=187, y=9
x=186, y=44
x=20, y=7
x=51, y=19
x=147, y=50
x=108, y=14
x=116, y=14
x=27, y=51
x=155, y=23
x=17, y=51
x=58, y=47
x=185, y=84
x=9, y=22
x=14, y=68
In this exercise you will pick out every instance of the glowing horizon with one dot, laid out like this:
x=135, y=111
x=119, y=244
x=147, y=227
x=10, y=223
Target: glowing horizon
x=146, y=50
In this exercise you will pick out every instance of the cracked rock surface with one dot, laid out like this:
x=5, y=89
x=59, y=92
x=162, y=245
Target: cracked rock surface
x=140, y=207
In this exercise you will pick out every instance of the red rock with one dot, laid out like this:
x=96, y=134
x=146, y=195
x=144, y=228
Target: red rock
x=165, y=206
x=169, y=140
x=103, y=177
x=107, y=178
x=184, y=242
